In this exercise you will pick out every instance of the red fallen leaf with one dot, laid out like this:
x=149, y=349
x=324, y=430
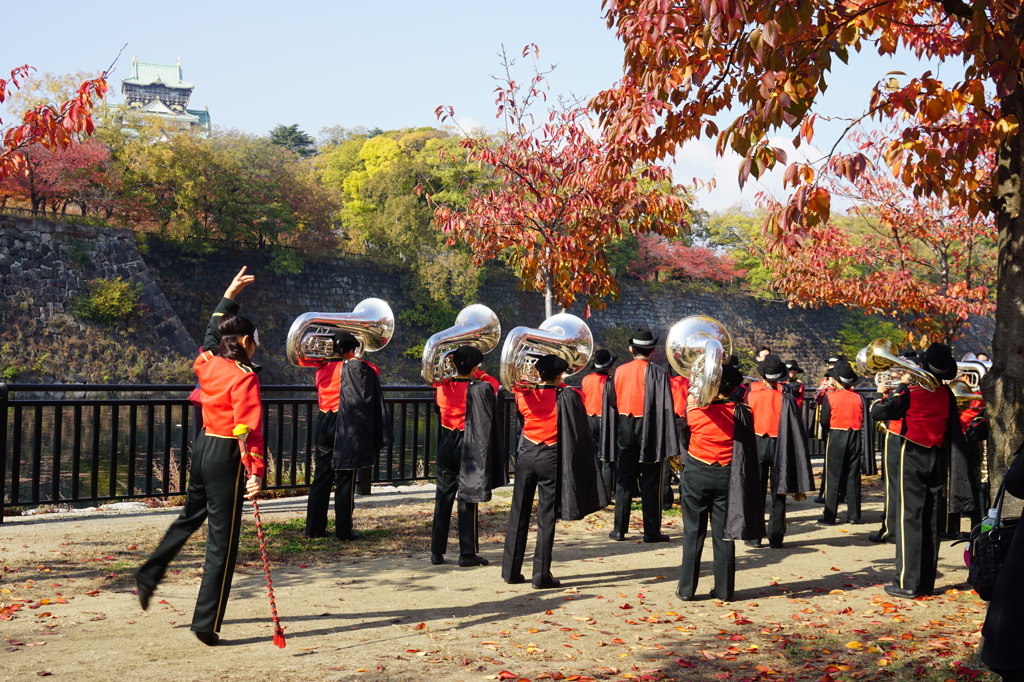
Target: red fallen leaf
x=742, y=621
x=833, y=569
x=506, y=675
x=60, y=600
x=109, y=558
x=421, y=626
x=163, y=601
x=721, y=676
x=549, y=612
x=619, y=641
x=92, y=593
x=303, y=566
x=626, y=606
x=411, y=651
x=737, y=638
x=683, y=663
x=709, y=655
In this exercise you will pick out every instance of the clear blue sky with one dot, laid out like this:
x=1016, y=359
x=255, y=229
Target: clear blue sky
x=375, y=64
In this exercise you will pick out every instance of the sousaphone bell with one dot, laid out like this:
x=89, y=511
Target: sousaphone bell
x=311, y=337
x=476, y=325
x=564, y=335
x=696, y=347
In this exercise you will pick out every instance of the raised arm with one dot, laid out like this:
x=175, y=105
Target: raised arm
x=227, y=305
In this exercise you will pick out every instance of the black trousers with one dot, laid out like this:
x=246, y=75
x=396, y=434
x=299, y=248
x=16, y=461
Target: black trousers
x=630, y=470
x=704, y=495
x=607, y=468
x=324, y=477
x=917, y=507
x=842, y=473
x=215, y=492
x=536, y=472
x=890, y=463
x=766, y=446
x=447, y=467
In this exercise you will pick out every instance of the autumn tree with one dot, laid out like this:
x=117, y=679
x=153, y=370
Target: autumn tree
x=54, y=126
x=549, y=214
x=742, y=72
x=291, y=137
x=78, y=175
x=660, y=258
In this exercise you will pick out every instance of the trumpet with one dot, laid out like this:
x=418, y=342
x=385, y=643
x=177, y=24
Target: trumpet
x=880, y=357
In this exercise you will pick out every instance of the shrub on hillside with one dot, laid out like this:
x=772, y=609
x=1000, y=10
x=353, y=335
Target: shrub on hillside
x=107, y=301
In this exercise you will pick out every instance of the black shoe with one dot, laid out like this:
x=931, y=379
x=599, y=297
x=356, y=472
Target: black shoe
x=145, y=592
x=775, y=545
x=314, y=536
x=878, y=537
x=437, y=559
x=824, y=521
x=681, y=597
x=854, y=522
x=467, y=560
x=617, y=536
x=752, y=543
x=353, y=536
x=515, y=579
x=819, y=500
x=660, y=537
x=547, y=583
x=894, y=590
x=715, y=596
x=207, y=638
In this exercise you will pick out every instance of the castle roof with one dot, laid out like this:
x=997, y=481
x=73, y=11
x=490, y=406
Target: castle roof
x=168, y=75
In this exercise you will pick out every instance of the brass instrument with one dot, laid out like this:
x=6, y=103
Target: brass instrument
x=564, y=335
x=476, y=326
x=963, y=393
x=696, y=347
x=973, y=370
x=310, y=341
x=880, y=357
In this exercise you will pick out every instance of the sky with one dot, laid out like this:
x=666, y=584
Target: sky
x=375, y=64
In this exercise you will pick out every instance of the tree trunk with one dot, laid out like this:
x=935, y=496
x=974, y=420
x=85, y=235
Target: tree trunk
x=1003, y=387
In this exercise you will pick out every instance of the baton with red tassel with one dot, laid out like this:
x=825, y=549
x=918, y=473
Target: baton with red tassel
x=241, y=432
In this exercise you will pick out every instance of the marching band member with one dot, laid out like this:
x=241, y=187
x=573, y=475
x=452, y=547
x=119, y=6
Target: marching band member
x=924, y=423
x=230, y=395
x=470, y=459
x=721, y=483
x=363, y=427
x=781, y=449
x=557, y=459
x=844, y=417
x=640, y=413
x=594, y=386
x=794, y=386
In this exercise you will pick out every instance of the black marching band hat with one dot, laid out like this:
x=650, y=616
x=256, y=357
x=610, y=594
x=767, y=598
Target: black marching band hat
x=939, y=361
x=843, y=373
x=772, y=368
x=344, y=342
x=731, y=376
x=643, y=338
x=794, y=366
x=466, y=358
x=603, y=359
x=550, y=366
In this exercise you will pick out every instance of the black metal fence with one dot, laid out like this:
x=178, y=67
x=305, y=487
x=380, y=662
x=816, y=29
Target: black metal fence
x=81, y=444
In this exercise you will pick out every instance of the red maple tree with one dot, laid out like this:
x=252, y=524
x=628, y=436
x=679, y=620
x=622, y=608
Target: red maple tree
x=659, y=257
x=52, y=126
x=548, y=211
x=762, y=66
x=78, y=175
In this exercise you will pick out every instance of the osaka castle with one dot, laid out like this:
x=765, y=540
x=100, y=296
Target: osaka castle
x=159, y=89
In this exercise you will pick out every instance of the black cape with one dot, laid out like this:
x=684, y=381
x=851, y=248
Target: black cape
x=580, y=490
x=868, y=465
x=364, y=425
x=658, y=440
x=792, y=461
x=484, y=459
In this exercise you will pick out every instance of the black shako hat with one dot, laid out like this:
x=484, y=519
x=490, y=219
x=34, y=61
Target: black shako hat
x=939, y=361
x=550, y=366
x=643, y=338
x=794, y=366
x=344, y=342
x=603, y=359
x=843, y=373
x=731, y=378
x=733, y=361
x=772, y=368
x=466, y=358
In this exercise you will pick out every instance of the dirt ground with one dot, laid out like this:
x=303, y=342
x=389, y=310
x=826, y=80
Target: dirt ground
x=375, y=609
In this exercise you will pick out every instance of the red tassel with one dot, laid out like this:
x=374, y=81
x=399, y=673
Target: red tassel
x=278, y=630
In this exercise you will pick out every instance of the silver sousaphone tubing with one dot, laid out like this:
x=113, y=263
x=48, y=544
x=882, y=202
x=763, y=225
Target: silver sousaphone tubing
x=310, y=342
x=696, y=347
x=564, y=335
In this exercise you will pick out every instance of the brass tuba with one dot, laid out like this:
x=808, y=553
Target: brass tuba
x=310, y=341
x=476, y=325
x=973, y=370
x=880, y=356
x=564, y=335
x=696, y=347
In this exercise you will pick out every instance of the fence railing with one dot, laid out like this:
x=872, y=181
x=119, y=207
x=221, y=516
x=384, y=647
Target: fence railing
x=80, y=444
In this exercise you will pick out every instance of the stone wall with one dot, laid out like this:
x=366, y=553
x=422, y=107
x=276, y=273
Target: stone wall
x=43, y=265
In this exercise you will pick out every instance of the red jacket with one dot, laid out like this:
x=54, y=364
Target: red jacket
x=231, y=396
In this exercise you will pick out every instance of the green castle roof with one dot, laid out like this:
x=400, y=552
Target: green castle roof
x=144, y=73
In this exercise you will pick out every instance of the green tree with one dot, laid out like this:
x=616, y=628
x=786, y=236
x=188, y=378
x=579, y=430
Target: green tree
x=290, y=137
